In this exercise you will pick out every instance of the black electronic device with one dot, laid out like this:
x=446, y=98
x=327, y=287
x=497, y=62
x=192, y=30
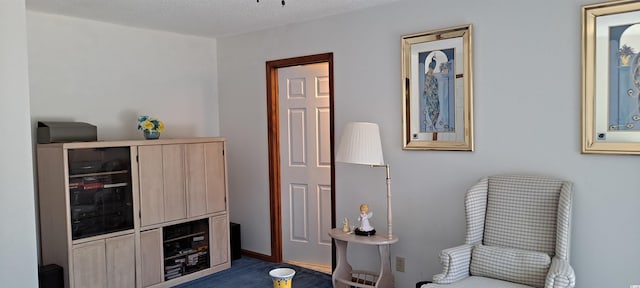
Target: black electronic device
x=50, y=276
x=62, y=132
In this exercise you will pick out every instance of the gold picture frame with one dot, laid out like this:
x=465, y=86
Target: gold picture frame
x=437, y=90
x=611, y=78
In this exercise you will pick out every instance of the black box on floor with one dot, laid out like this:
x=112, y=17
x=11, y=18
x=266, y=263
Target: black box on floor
x=235, y=241
x=50, y=276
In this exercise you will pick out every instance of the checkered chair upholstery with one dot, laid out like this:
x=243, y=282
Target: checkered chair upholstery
x=517, y=236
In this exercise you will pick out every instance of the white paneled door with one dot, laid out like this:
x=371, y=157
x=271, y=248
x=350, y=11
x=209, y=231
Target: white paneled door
x=305, y=163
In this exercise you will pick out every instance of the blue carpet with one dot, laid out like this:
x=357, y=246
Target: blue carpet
x=250, y=272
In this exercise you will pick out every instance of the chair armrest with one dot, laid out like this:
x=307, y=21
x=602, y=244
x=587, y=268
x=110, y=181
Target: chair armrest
x=560, y=274
x=455, y=264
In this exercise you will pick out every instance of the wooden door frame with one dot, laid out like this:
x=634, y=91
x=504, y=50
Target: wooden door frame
x=273, y=123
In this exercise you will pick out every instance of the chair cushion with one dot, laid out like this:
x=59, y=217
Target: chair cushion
x=509, y=264
x=477, y=282
x=521, y=212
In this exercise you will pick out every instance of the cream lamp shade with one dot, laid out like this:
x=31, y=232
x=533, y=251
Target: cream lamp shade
x=360, y=144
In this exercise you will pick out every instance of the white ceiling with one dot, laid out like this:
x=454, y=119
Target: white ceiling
x=208, y=18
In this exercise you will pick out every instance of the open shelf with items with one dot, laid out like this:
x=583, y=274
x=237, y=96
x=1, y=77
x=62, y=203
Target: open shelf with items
x=186, y=248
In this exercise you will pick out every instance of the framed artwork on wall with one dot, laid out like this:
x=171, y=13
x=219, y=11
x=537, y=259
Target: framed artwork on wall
x=437, y=96
x=611, y=78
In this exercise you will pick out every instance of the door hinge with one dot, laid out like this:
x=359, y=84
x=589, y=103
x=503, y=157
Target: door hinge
x=137, y=158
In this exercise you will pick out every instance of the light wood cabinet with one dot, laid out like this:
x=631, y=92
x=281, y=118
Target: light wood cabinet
x=189, y=181
x=206, y=178
x=164, y=183
x=90, y=265
x=175, y=207
x=87, y=200
x=108, y=263
x=219, y=240
x=121, y=261
x=151, y=254
x=151, y=184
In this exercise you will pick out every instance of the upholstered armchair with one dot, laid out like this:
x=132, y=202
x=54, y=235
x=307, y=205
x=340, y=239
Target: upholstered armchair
x=517, y=236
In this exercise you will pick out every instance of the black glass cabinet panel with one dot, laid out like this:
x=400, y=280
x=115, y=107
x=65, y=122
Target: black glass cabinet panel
x=100, y=193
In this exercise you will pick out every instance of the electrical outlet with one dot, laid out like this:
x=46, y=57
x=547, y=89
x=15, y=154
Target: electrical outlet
x=400, y=265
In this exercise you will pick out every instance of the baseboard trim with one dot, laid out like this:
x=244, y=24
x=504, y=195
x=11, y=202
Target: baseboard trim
x=320, y=268
x=258, y=256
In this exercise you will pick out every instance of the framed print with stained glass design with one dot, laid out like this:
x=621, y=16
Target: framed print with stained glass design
x=437, y=88
x=611, y=78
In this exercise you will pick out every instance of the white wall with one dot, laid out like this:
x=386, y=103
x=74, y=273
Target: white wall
x=18, y=267
x=107, y=75
x=527, y=120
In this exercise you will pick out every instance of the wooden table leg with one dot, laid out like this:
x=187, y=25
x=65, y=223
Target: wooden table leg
x=343, y=269
x=386, y=276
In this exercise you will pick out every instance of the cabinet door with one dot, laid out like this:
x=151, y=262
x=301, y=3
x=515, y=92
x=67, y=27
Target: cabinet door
x=205, y=178
x=216, y=186
x=121, y=261
x=151, y=184
x=219, y=235
x=175, y=206
x=89, y=265
x=196, y=180
x=151, y=250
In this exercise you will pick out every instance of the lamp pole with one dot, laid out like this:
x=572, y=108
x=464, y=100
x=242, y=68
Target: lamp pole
x=390, y=234
x=389, y=216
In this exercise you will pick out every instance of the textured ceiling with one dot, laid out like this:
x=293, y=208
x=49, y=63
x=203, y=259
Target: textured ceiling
x=209, y=18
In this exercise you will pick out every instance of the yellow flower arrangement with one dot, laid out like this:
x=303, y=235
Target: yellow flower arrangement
x=146, y=123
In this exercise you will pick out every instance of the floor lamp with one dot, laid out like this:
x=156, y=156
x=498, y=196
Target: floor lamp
x=360, y=144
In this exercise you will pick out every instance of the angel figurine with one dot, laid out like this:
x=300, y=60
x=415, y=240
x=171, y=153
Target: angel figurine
x=365, y=228
x=345, y=226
